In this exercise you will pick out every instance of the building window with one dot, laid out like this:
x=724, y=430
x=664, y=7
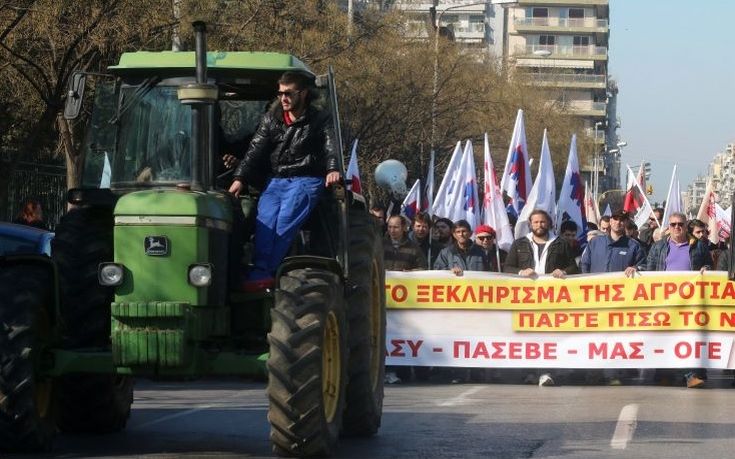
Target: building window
x=546, y=40
x=540, y=12
x=576, y=13
x=477, y=24
x=580, y=41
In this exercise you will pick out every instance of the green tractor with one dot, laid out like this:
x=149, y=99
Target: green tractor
x=150, y=264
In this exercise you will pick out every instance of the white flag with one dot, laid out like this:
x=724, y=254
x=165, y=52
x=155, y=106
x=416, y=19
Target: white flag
x=516, y=179
x=591, y=210
x=353, y=171
x=442, y=200
x=493, y=208
x=571, y=196
x=106, y=173
x=412, y=202
x=464, y=200
x=708, y=212
x=673, y=199
x=607, y=213
x=636, y=203
x=543, y=192
x=723, y=222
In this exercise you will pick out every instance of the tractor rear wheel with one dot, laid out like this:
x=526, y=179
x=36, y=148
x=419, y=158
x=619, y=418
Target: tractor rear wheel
x=307, y=363
x=26, y=401
x=366, y=316
x=98, y=403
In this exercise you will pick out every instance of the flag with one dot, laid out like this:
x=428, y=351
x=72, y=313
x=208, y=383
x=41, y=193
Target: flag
x=493, y=208
x=412, y=202
x=516, y=179
x=571, y=197
x=591, y=210
x=442, y=200
x=428, y=196
x=636, y=203
x=708, y=212
x=673, y=199
x=465, y=200
x=353, y=172
x=608, y=211
x=543, y=192
x=723, y=222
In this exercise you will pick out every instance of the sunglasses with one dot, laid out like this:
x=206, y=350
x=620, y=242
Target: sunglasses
x=288, y=94
x=675, y=224
x=484, y=238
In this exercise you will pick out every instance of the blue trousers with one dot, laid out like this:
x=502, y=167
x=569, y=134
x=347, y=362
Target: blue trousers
x=283, y=207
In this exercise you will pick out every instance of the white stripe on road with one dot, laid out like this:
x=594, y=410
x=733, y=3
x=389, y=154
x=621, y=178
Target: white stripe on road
x=186, y=413
x=461, y=398
x=625, y=428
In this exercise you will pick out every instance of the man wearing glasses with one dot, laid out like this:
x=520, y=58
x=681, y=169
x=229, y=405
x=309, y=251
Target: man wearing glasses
x=646, y=230
x=675, y=253
x=486, y=239
x=294, y=146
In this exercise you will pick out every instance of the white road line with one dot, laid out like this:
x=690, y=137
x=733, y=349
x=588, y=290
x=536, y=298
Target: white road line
x=186, y=413
x=625, y=428
x=461, y=398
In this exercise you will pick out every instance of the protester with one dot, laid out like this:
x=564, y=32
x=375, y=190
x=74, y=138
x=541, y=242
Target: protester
x=568, y=230
x=486, y=238
x=605, y=224
x=540, y=252
x=462, y=254
x=613, y=252
x=676, y=252
x=31, y=214
x=400, y=254
x=421, y=235
x=441, y=234
x=647, y=229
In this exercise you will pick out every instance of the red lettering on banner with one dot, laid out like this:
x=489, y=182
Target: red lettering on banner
x=728, y=317
x=543, y=320
x=422, y=293
x=515, y=350
x=564, y=295
x=498, y=350
x=461, y=344
x=399, y=293
x=669, y=289
x=486, y=294
x=586, y=291
x=545, y=294
x=662, y=319
x=397, y=348
x=414, y=346
x=618, y=296
x=618, y=350
x=437, y=293
x=640, y=293
x=525, y=316
x=469, y=295
x=480, y=351
x=728, y=292
x=529, y=294
x=502, y=293
x=452, y=296
x=698, y=349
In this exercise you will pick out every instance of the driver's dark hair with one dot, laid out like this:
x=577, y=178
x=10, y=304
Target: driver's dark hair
x=301, y=80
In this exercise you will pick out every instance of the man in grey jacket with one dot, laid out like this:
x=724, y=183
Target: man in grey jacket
x=462, y=254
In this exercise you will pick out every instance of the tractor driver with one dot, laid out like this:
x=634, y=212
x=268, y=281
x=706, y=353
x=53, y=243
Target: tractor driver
x=298, y=142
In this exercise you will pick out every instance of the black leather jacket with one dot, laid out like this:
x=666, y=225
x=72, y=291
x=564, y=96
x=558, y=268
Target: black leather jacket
x=306, y=148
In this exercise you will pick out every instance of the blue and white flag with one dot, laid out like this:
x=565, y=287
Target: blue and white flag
x=516, y=179
x=493, y=208
x=412, y=202
x=543, y=193
x=465, y=202
x=571, y=197
x=442, y=200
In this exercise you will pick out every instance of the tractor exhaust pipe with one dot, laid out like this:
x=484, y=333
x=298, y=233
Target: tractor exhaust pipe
x=199, y=95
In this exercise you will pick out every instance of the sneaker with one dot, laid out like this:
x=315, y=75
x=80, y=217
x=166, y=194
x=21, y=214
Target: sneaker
x=545, y=380
x=694, y=382
x=392, y=378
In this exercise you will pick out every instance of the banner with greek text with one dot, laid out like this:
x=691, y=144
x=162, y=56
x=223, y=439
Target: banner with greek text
x=654, y=320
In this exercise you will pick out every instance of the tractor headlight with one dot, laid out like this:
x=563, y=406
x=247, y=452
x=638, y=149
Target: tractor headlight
x=110, y=274
x=200, y=275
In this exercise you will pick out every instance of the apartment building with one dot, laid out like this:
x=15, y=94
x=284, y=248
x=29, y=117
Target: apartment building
x=562, y=46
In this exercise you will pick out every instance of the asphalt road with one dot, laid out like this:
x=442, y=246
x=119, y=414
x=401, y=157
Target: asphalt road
x=228, y=419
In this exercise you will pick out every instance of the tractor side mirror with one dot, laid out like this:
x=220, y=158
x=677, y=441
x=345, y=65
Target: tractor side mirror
x=75, y=96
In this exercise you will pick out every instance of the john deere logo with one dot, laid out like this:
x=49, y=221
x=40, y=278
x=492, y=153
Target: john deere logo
x=156, y=245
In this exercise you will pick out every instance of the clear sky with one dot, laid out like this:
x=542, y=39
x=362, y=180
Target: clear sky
x=674, y=62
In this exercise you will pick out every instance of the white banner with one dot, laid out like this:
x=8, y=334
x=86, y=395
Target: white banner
x=657, y=320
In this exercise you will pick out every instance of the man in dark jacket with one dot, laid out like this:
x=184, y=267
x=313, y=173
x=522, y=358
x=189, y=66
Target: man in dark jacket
x=462, y=254
x=297, y=141
x=399, y=252
x=614, y=252
x=540, y=252
x=421, y=235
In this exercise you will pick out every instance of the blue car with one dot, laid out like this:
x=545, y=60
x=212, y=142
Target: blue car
x=24, y=240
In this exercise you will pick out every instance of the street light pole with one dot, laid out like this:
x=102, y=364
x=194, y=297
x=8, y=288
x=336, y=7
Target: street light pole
x=437, y=27
x=596, y=166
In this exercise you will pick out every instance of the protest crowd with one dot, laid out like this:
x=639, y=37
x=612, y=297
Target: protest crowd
x=521, y=229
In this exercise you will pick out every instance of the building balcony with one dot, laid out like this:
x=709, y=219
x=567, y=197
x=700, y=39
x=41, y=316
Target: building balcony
x=589, y=52
x=600, y=139
x=565, y=80
x=585, y=108
x=561, y=25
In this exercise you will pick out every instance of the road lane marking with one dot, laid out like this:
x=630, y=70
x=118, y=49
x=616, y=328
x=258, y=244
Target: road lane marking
x=461, y=398
x=625, y=428
x=188, y=412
